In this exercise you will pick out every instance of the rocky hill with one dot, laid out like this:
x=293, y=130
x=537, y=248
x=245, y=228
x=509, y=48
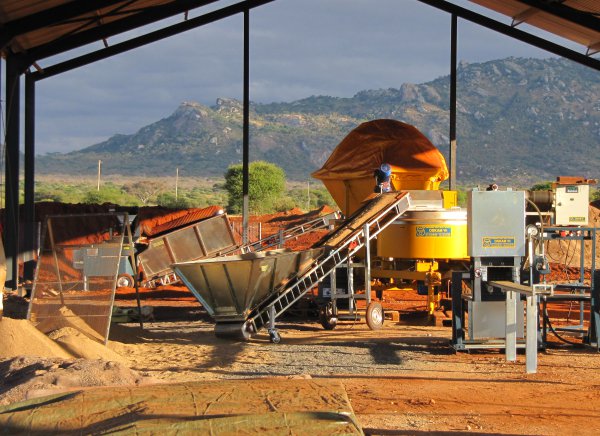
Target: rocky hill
x=519, y=121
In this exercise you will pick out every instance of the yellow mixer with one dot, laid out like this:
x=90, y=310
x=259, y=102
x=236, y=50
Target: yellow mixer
x=420, y=248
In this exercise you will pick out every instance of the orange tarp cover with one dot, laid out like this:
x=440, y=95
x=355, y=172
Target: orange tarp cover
x=384, y=141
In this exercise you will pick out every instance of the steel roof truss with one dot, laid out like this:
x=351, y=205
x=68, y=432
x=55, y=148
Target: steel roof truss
x=582, y=18
x=146, y=16
x=50, y=17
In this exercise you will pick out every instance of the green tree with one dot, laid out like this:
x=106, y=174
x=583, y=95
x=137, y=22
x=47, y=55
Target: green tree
x=145, y=190
x=168, y=200
x=109, y=194
x=319, y=196
x=266, y=187
x=544, y=186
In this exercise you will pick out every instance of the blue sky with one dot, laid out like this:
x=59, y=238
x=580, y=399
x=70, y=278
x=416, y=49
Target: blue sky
x=298, y=49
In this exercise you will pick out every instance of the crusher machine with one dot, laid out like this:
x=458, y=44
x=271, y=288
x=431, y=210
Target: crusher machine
x=247, y=292
x=421, y=248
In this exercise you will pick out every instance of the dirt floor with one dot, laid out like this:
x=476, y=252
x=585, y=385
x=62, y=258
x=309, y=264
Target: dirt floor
x=403, y=379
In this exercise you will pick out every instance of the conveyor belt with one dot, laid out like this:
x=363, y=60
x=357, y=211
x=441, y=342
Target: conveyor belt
x=341, y=245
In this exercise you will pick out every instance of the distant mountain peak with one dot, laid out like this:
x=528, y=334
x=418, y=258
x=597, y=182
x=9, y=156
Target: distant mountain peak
x=514, y=116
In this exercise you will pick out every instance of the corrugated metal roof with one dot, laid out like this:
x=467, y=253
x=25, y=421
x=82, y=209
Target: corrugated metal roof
x=193, y=216
x=63, y=25
x=20, y=11
x=560, y=25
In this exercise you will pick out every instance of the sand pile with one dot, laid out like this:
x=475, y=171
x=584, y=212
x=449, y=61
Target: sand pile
x=67, y=318
x=79, y=345
x=23, y=378
x=20, y=338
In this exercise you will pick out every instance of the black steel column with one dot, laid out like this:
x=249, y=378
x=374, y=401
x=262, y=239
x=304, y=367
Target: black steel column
x=11, y=208
x=245, y=158
x=29, y=187
x=453, y=50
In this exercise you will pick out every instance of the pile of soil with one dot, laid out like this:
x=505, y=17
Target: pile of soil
x=80, y=345
x=33, y=364
x=271, y=224
x=21, y=338
x=24, y=378
x=67, y=318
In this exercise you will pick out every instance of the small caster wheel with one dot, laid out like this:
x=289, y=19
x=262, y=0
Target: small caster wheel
x=327, y=316
x=274, y=336
x=125, y=281
x=374, y=315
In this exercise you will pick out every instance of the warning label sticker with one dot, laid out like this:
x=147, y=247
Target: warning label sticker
x=499, y=242
x=434, y=231
x=576, y=219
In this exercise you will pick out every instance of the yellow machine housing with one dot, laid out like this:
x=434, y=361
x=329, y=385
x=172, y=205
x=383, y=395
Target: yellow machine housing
x=426, y=234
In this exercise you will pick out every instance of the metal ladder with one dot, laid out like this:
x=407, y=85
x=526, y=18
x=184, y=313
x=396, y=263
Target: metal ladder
x=270, y=309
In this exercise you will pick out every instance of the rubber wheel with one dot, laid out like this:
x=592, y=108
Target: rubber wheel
x=326, y=317
x=374, y=315
x=125, y=281
x=274, y=337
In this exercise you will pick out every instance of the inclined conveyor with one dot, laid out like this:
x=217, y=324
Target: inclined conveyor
x=247, y=292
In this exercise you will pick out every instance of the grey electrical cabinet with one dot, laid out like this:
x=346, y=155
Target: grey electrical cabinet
x=496, y=222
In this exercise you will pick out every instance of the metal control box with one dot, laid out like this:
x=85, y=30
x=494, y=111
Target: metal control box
x=496, y=223
x=571, y=205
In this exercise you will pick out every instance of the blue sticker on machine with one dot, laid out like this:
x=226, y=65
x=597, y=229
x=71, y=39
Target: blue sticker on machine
x=499, y=242
x=434, y=231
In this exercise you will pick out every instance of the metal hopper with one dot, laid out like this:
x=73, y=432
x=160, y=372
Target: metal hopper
x=230, y=287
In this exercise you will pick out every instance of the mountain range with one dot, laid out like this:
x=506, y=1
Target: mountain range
x=519, y=121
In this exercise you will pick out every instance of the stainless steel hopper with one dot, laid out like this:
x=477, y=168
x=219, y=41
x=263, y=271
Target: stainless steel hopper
x=230, y=287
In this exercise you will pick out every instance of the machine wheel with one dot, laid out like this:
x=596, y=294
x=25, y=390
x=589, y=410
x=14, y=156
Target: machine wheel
x=274, y=336
x=374, y=315
x=327, y=317
x=125, y=281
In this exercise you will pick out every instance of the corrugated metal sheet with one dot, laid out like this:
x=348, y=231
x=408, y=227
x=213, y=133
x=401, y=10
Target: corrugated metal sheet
x=11, y=10
x=193, y=216
x=522, y=13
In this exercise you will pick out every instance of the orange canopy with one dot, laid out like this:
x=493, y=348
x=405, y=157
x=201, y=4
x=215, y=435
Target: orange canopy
x=415, y=162
x=384, y=141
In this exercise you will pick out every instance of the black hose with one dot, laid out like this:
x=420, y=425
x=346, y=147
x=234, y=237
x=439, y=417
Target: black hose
x=561, y=338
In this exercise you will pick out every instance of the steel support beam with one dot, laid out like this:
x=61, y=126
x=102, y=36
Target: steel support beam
x=504, y=29
x=51, y=16
x=11, y=207
x=147, y=39
x=246, y=130
x=29, y=186
x=581, y=18
x=143, y=18
x=453, y=67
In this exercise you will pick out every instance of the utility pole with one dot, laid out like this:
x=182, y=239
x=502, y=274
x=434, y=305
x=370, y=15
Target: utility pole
x=308, y=196
x=176, y=181
x=99, y=172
